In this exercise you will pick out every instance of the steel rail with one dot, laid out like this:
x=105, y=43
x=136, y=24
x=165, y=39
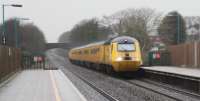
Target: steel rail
x=102, y=92
x=150, y=89
x=187, y=93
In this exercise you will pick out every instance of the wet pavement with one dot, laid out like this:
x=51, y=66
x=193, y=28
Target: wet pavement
x=191, y=72
x=40, y=85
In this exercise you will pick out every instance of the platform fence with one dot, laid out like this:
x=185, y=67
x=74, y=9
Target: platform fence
x=187, y=55
x=10, y=60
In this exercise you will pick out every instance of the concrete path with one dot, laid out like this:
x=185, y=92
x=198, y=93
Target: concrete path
x=176, y=70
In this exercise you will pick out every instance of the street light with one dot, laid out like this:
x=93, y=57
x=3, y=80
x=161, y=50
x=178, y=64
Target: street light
x=3, y=29
x=17, y=34
x=178, y=26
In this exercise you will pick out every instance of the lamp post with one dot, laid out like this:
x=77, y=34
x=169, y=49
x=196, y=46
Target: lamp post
x=16, y=33
x=178, y=27
x=3, y=29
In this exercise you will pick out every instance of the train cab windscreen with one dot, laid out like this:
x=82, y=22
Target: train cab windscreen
x=126, y=47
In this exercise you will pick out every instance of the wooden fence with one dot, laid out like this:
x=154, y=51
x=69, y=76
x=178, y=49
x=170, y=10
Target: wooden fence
x=10, y=60
x=185, y=54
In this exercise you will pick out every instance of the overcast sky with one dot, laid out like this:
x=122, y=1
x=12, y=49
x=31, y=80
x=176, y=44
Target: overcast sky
x=54, y=17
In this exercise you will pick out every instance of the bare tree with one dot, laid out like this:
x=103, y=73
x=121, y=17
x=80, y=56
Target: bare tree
x=192, y=28
x=138, y=23
x=85, y=32
x=65, y=37
x=32, y=38
x=28, y=36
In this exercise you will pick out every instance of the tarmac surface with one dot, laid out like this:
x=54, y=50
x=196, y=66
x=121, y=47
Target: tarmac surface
x=40, y=85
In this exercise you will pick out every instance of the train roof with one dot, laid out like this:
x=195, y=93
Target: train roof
x=109, y=41
x=121, y=39
x=92, y=44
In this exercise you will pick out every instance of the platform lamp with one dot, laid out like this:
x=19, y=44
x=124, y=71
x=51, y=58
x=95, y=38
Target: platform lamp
x=3, y=29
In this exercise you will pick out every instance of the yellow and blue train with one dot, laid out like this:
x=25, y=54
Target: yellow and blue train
x=119, y=54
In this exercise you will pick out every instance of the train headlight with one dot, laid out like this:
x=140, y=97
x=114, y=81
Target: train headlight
x=119, y=59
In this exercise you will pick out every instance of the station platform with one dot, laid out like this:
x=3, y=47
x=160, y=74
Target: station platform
x=40, y=85
x=183, y=71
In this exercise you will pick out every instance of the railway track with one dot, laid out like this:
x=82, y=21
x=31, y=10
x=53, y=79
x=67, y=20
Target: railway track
x=164, y=86
x=138, y=83
x=102, y=92
x=191, y=94
x=111, y=98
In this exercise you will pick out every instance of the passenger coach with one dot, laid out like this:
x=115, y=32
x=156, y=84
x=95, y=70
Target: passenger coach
x=120, y=54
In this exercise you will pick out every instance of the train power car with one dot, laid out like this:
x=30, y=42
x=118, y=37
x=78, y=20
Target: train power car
x=119, y=54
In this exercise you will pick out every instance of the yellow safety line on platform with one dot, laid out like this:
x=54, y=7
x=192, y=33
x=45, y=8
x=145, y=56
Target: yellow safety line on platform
x=55, y=88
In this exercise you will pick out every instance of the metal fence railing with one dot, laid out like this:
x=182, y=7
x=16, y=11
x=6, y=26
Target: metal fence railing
x=33, y=60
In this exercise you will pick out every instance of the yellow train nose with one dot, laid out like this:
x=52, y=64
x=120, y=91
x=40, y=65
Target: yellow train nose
x=122, y=66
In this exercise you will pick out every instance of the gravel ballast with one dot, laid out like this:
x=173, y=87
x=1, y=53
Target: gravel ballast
x=116, y=87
